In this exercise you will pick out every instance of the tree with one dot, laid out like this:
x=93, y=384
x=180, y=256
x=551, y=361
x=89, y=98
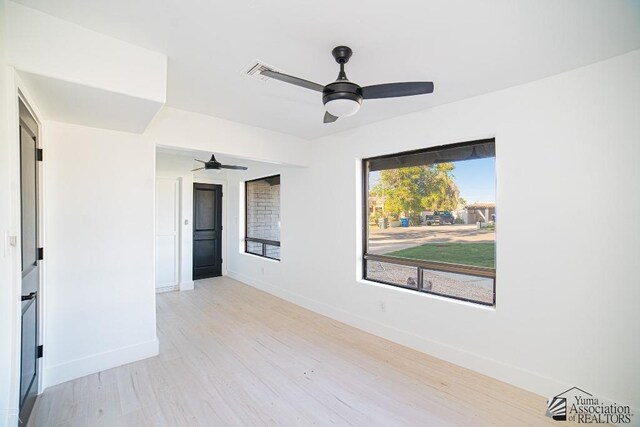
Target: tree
x=442, y=191
x=413, y=189
x=402, y=190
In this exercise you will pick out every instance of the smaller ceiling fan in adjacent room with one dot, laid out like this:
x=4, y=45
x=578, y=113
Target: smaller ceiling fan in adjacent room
x=343, y=98
x=216, y=165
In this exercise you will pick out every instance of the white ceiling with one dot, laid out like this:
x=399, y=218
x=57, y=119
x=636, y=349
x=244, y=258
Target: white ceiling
x=465, y=47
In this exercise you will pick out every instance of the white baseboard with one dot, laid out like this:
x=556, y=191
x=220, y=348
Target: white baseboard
x=186, y=286
x=99, y=362
x=518, y=377
x=170, y=288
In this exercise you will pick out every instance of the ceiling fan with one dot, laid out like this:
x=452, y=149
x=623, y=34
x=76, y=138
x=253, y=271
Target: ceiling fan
x=214, y=164
x=343, y=98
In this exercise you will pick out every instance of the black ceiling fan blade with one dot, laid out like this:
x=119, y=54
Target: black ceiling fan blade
x=329, y=118
x=293, y=80
x=242, y=168
x=201, y=161
x=199, y=169
x=395, y=90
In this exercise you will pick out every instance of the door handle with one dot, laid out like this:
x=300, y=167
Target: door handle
x=32, y=295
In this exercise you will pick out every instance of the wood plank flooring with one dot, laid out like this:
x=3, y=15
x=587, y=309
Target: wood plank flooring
x=233, y=355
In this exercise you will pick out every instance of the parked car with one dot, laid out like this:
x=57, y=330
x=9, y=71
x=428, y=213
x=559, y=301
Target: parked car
x=440, y=218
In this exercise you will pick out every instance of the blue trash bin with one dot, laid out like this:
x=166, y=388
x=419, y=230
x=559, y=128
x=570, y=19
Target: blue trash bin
x=404, y=222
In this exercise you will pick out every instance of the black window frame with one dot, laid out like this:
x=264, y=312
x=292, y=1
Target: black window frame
x=247, y=239
x=420, y=265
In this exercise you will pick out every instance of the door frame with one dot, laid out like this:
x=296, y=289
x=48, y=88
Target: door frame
x=21, y=93
x=41, y=235
x=30, y=128
x=225, y=227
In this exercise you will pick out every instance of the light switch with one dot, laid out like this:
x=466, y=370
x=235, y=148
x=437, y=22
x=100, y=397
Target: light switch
x=186, y=222
x=9, y=241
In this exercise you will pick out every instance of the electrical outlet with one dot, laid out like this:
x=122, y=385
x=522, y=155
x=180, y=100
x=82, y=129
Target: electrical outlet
x=262, y=270
x=382, y=306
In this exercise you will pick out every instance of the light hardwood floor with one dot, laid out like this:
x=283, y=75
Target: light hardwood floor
x=233, y=355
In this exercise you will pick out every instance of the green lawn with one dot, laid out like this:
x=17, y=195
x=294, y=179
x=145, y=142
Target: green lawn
x=476, y=254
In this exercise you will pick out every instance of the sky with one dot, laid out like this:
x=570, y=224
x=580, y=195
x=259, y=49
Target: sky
x=476, y=179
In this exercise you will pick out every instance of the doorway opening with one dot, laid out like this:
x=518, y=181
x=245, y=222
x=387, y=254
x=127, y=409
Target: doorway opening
x=190, y=219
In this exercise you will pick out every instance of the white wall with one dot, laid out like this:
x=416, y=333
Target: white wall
x=100, y=302
x=567, y=290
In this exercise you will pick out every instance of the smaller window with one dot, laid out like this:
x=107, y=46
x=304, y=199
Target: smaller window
x=262, y=220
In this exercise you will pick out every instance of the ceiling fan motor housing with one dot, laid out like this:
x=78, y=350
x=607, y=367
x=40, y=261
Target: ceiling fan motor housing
x=212, y=163
x=342, y=89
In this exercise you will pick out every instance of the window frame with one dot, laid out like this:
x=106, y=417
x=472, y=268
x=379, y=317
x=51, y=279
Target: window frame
x=420, y=265
x=247, y=239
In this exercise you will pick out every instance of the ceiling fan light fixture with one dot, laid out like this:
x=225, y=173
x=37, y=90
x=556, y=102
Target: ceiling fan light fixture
x=342, y=98
x=343, y=107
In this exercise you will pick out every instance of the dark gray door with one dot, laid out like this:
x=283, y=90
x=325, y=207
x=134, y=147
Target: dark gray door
x=30, y=268
x=207, y=231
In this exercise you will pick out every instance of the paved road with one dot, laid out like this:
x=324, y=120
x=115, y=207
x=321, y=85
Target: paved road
x=396, y=238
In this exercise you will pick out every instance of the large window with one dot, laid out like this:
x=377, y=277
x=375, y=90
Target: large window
x=430, y=220
x=262, y=222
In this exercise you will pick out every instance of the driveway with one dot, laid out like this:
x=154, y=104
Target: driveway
x=396, y=238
